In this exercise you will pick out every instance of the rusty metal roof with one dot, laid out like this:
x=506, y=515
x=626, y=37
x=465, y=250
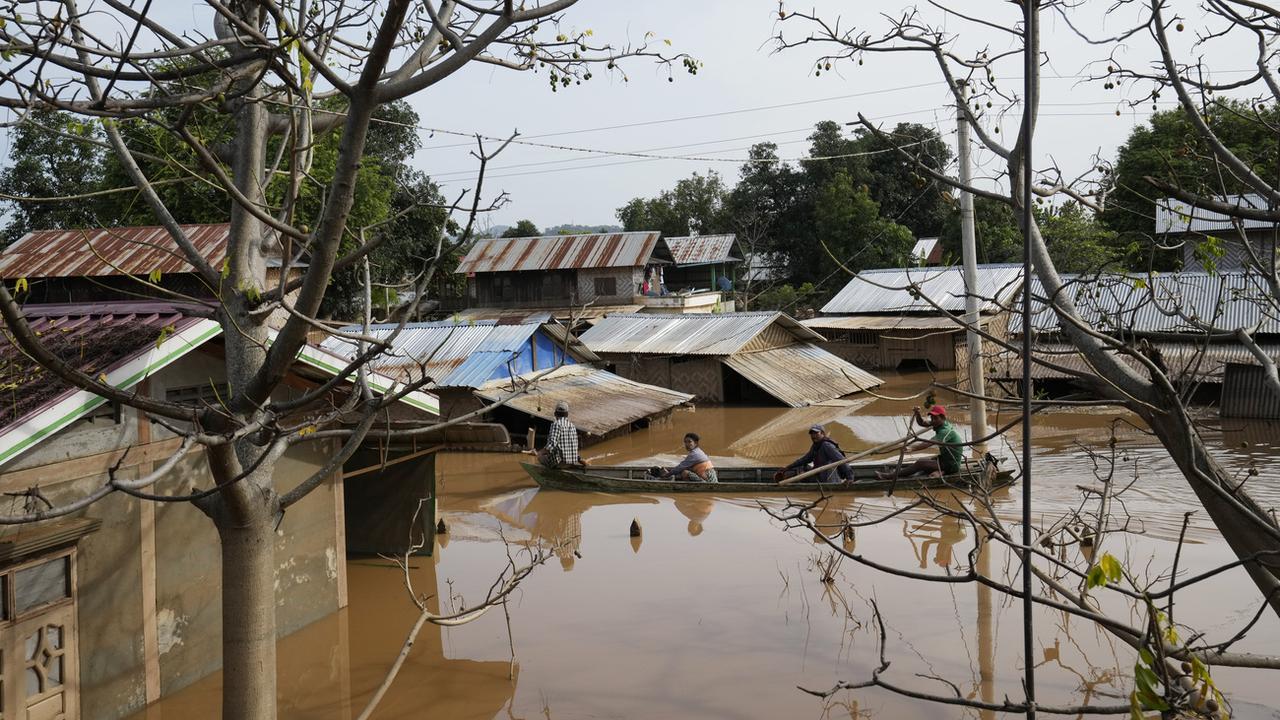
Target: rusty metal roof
x=801, y=374
x=560, y=252
x=599, y=401
x=703, y=249
x=109, y=251
x=883, y=291
x=689, y=334
x=521, y=315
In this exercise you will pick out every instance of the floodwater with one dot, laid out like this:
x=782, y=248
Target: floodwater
x=718, y=611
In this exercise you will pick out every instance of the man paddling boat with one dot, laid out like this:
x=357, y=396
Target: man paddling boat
x=945, y=437
x=824, y=451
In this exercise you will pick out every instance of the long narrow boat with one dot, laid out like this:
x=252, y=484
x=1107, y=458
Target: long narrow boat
x=631, y=478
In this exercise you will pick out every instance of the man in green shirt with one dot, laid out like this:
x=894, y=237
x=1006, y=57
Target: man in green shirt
x=945, y=437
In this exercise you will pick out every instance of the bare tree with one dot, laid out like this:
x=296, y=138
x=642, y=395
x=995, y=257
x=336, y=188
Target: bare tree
x=279, y=73
x=1116, y=370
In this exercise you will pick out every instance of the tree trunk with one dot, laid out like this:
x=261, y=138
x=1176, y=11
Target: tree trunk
x=1245, y=525
x=248, y=619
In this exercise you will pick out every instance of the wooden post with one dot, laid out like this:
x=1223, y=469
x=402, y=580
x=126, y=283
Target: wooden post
x=147, y=558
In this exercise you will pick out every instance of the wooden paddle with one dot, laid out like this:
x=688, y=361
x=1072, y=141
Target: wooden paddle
x=857, y=456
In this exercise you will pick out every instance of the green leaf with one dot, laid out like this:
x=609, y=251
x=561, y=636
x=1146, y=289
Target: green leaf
x=1095, y=578
x=165, y=333
x=1114, y=571
x=226, y=268
x=1147, y=657
x=155, y=276
x=21, y=285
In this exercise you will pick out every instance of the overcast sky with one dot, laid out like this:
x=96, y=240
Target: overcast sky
x=742, y=77
x=746, y=92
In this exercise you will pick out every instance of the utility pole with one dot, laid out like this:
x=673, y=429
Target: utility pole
x=977, y=383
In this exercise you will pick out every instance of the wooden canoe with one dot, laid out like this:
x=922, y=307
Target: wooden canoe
x=631, y=478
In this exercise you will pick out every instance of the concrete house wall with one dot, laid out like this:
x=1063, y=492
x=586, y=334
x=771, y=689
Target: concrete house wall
x=148, y=580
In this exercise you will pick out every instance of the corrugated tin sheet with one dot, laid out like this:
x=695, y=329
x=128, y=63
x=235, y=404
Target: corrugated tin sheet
x=109, y=251
x=521, y=315
x=703, y=249
x=560, y=252
x=691, y=334
x=801, y=374
x=599, y=401
x=885, y=322
x=883, y=291
x=1175, y=216
x=1185, y=360
x=1246, y=394
x=463, y=355
x=1162, y=303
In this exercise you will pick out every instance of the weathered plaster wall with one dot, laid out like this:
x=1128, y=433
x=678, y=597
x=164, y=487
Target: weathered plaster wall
x=110, y=610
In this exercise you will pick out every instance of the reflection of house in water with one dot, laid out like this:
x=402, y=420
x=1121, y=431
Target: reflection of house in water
x=553, y=518
x=120, y=603
x=755, y=357
x=876, y=322
x=1168, y=315
x=785, y=432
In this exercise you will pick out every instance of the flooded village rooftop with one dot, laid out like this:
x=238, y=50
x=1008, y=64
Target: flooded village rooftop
x=556, y=359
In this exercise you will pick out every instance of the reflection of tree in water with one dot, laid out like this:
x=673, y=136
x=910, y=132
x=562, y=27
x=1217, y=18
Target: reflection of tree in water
x=697, y=509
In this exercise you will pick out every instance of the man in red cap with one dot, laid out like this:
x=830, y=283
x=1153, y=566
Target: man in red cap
x=945, y=437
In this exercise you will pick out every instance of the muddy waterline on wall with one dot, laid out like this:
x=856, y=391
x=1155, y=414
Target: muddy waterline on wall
x=716, y=611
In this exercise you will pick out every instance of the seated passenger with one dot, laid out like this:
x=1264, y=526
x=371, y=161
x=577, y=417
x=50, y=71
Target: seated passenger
x=696, y=466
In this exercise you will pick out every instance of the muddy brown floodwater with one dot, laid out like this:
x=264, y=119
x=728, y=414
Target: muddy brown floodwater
x=717, y=612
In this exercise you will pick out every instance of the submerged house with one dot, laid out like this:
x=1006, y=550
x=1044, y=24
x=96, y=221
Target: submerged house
x=532, y=364
x=110, y=608
x=118, y=263
x=703, y=263
x=578, y=276
x=730, y=357
x=1186, y=319
x=1208, y=237
x=878, y=321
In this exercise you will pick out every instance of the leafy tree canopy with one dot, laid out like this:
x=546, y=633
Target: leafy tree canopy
x=1169, y=148
x=524, y=228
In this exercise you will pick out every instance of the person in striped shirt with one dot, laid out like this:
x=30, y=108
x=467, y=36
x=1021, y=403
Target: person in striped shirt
x=562, y=440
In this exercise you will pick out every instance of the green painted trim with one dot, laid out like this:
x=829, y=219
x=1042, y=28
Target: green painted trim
x=96, y=400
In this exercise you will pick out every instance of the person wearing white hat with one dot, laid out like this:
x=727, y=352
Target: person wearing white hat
x=562, y=440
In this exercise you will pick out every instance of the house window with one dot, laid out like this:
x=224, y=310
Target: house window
x=606, y=286
x=105, y=415
x=39, y=664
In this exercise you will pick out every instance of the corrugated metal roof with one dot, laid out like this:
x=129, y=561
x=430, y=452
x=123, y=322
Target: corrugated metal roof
x=881, y=291
x=464, y=355
x=703, y=249
x=801, y=374
x=560, y=252
x=1175, y=216
x=884, y=322
x=1184, y=360
x=599, y=401
x=588, y=312
x=691, y=334
x=1162, y=303
x=109, y=251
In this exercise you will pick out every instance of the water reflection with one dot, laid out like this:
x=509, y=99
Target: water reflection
x=724, y=614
